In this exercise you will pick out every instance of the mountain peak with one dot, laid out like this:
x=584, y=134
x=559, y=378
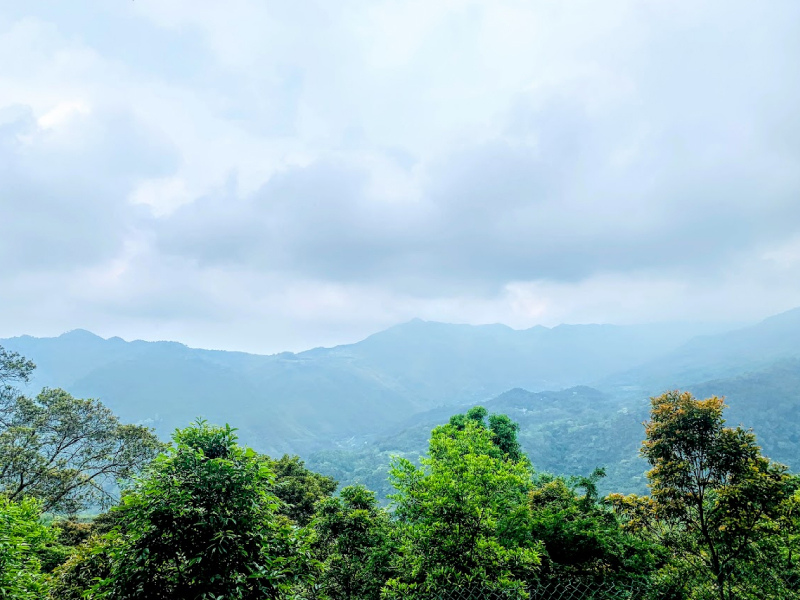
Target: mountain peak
x=79, y=335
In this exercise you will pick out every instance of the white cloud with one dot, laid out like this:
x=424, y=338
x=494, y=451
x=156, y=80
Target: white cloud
x=187, y=169
x=61, y=113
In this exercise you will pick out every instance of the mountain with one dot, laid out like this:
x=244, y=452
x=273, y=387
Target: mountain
x=717, y=356
x=572, y=431
x=768, y=401
x=349, y=408
x=441, y=363
x=298, y=402
x=757, y=369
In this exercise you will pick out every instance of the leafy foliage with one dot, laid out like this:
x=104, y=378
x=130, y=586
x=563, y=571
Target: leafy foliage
x=202, y=524
x=14, y=367
x=463, y=517
x=66, y=452
x=23, y=542
x=582, y=536
x=76, y=578
x=299, y=489
x=715, y=500
x=353, y=539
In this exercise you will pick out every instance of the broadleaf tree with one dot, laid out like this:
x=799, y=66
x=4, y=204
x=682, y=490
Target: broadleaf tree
x=299, y=488
x=203, y=524
x=462, y=517
x=23, y=541
x=715, y=500
x=66, y=452
x=353, y=540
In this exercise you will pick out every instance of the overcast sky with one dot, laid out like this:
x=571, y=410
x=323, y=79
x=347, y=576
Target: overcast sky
x=264, y=176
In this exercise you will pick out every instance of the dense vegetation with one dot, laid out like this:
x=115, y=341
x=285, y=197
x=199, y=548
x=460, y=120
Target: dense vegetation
x=207, y=518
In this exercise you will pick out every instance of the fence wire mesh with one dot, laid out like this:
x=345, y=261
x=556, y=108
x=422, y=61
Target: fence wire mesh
x=578, y=589
x=585, y=590
x=551, y=590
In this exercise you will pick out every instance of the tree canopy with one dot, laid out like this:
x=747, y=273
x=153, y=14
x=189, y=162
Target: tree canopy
x=66, y=452
x=299, y=488
x=462, y=516
x=210, y=519
x=201, y=523
x=715, y=500
x=355, y=542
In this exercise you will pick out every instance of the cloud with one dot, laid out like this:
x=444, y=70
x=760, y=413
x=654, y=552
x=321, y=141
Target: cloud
x=65, y=181
x=559, y=197
x=324, y=170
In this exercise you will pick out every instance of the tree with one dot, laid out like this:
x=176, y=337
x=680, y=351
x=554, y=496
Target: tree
x=89, y=559
x=715, y=500
x=582, y=537
x=299, y=488
x=463, y=517
x=353, y=540
x=504, y=429
x=23, y=541
x=66, y=452
x=202, y=523
x=13, y=369
x=77, y=577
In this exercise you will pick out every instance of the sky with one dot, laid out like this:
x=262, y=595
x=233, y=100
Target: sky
x=268, y=176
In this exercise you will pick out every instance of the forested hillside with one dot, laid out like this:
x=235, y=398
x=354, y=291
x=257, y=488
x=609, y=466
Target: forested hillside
x=578, y=429
x=301, y=402
x=348, y=409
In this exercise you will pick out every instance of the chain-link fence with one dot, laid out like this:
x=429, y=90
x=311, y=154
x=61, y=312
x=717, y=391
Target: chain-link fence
x=579, y=589
x=566, y=589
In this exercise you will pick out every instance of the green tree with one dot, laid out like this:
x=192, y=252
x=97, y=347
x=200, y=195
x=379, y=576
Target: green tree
x=76, y=578
x=504, y=429
x=353, y=540
x=14, y=369
x=202, y=523
x=89, y=559
x=299, y=489
x=66, y=452
x=582, y=536
x=23, y=542
x=715, y=500
x=463, y=517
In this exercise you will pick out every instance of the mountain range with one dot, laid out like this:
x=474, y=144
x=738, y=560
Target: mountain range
x=579, y=391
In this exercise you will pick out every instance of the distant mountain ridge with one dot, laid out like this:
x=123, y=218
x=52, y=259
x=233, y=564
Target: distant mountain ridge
x=716, y=356
x=298, y=402
x=348, y=408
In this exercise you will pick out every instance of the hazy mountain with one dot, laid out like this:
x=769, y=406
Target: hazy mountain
x=297, y=402
x=350, y=407
x=717, y=356
x=573, y=431
x=440, y=363
x=768, y=401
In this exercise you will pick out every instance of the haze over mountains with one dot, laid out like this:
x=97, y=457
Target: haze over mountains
x=289, y=402
x=350, y=406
